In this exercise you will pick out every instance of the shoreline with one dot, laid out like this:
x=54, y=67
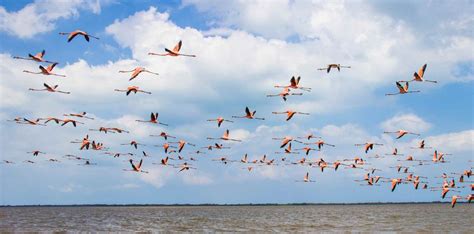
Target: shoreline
x=217, y=205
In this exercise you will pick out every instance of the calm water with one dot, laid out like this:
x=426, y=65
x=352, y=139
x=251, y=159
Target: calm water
x=421, y=217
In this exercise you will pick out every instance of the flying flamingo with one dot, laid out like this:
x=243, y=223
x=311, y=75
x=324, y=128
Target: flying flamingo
x=287, y=150
x=224, y=137
x=249, y=115
x=284, y=94
x=174, y=52
x=31, y=122
x=37, y=57
x=368, y=146
x=49, y=119
x=181, y=144
x=74, y=122
x=290, y=113
x=400, y=133
x=220, y=120
x=48, y=88
x=35, y=152
x=136, y=168
x=402, y=89
x=294, y=84
x=164, y=135
x=309, y=136
x=136, y=71
x=153, y=119
x=72, y=35
x=421, y=145
x=419, y=76
x=285, y=140
x=329, y=66
x=320, y=144
x=79, y=115
x=185, y=166
x=133, y=89
x=135, y=144
x=394, y=152
x=305, y=179
x=46, y=71
x=306, y=149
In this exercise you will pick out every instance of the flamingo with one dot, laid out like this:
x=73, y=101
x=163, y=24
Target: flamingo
x=306, y=149
x=174, y=52
x=48, y=88
x=400, y=133
x=48, y=119
x=185, y=166
x=79, y=115
x=284, y=94
x=135, y=144
x=249, y=115
x=136, y=71
x=166, y=146
x=36, y=152
x=368, y=146
x=421, y=145
x=306, y=179
x=224, y=137
x=329, y=66
x=402, y=89
x=394, y=152
x=285, y=140
x=133, y=89
x=28, y=161
x=136, y=168
x=287, y=150
x=164, y=135
x=37, y=57
x=181, y=144
x=153, y=119
x=220, y=120
x=48, y=71
x=290, y=113
x=101, y=129
x=320, y=144
x=31, y=122
x=419, y=76
x=309, y=136
x=72, y=35
x=294, y=84
x=74, y=122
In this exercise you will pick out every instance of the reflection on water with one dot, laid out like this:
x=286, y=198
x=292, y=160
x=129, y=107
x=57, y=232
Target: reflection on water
x=401, y=217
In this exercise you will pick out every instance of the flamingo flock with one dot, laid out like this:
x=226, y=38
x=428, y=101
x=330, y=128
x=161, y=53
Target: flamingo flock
x=175, y=151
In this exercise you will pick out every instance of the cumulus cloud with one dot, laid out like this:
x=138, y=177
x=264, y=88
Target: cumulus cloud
x=41, y=16
x=453, y=142
x=409, y=122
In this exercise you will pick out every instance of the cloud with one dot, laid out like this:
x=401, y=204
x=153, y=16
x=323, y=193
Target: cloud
x=194, y=177
x=453, y=142
x=41, y=16
x=409, y=122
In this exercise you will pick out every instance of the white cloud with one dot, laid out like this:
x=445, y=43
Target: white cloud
x=453, y=142
x=41, y=16
x=409, y=122
x=195, y=177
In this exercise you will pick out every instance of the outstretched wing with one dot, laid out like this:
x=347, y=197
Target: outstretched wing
x=177, y=47
x=293, y=81
x=247, y=111
x=133, y=166
x=421, y=72
x=47, y=86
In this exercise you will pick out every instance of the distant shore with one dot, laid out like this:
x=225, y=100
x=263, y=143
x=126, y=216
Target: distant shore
x=243, y=204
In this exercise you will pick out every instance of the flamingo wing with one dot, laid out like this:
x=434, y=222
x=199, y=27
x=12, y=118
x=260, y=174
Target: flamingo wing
x=177, y=47
x=421, y=72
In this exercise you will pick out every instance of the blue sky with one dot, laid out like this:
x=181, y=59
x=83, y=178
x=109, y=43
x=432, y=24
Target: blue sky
x=243, y=49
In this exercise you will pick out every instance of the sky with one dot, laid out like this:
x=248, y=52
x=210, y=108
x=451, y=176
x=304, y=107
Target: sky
x=243, y=49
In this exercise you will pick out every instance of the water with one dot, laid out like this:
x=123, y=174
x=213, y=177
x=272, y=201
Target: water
x=311, y=218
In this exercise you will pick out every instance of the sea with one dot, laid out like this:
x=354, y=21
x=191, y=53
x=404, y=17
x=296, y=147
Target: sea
x=440, y=218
